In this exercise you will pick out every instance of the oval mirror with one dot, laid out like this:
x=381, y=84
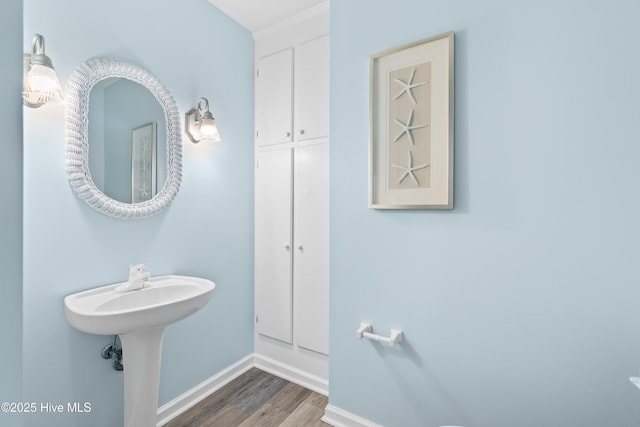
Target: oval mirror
x=123, y=147
x=127, y=156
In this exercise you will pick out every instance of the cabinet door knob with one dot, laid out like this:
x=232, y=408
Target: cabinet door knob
x=287, y=246
x=301, y=131
x=300, y=247
x=288, y=134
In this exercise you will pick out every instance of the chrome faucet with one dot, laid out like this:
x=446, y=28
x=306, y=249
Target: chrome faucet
x=139, y=277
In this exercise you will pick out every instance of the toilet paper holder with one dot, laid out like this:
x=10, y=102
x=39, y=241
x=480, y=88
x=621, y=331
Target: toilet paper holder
x=366, y=331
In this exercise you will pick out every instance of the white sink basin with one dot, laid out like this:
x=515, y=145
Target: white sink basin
x=166, y=299
x=139, y=317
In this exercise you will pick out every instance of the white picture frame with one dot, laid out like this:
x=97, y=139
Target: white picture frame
x=143, y=162
x=412, y=123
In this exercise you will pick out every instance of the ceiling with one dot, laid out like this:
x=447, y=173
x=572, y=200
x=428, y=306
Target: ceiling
x=256, y=15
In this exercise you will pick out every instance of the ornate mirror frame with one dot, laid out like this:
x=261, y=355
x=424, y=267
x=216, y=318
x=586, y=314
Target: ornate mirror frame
x=77, y=138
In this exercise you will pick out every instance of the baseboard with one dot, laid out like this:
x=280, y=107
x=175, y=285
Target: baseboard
x=190, y=398
x=340, y=418
x=289, y=373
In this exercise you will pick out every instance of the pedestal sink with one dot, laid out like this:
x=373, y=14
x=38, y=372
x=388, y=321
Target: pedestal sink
x=139, y=318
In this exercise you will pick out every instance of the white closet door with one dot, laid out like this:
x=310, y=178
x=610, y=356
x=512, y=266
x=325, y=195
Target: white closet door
x=311, y=246
x=312, y=89
x=274, y=98
x=273, y=245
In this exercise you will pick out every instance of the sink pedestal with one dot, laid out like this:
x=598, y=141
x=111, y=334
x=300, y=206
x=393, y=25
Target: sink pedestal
x=141, y=351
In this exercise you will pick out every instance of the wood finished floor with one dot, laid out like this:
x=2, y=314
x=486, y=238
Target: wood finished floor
x=256, y=398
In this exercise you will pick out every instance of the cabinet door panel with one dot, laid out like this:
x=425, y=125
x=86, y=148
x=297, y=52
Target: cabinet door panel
x=312, y=89
x=311, y=246
x=273, y=251
x=274, y=97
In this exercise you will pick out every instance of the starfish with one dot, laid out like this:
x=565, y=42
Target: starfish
x=408, y=86
x=145, y=144
x=146, y=168
x=407, y=128
x=408, y=170
x=143, y=191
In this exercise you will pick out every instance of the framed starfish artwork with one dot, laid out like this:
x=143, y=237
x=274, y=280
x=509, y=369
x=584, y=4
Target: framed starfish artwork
x=143, y=162
x=411, y=153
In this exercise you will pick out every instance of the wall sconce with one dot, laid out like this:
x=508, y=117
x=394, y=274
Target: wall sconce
x=41, y=84
x=200, y=124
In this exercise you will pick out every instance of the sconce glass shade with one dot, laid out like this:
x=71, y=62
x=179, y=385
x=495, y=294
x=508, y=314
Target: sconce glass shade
x=200, y=124
x=209, y=129
x=41, y=84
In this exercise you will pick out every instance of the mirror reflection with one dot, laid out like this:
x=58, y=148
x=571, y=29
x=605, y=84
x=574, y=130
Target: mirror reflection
x=127, y=134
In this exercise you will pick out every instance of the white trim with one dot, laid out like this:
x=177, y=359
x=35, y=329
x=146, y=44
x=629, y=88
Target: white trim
x=190, y=398
x=295, y=19
x=340, y=418
x=289, y=373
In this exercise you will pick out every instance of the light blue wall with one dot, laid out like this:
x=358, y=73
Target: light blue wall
x=11, y=207
x=195, y=50
x=520, y=306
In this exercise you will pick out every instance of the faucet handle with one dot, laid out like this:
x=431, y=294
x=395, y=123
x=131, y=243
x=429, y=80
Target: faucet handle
x=138, y=268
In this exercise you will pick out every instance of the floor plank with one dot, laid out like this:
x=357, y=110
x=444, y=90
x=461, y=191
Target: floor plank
x=306, y=414
x=279, y=407
x=256, y=399
x=227, y=416
x=267, y=416
x=318, y=400
x=290, y=397
x=258, y=392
